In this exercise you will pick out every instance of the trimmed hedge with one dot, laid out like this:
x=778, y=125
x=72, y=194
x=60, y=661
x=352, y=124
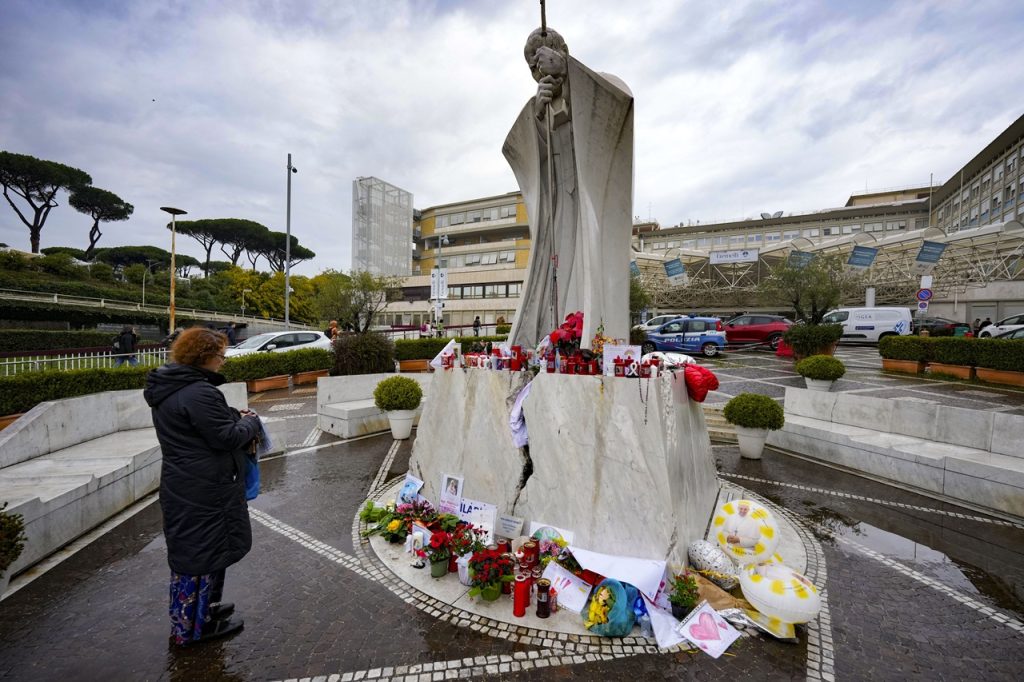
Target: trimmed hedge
x=309, y=360
x=810, y=339
x=754, y=411
x=427, y=349
x=1004, y=354
x=821, y=368
x=256, y=366
x=954, y=350
x=84, y=317
x=914, y=348
x=369, y=353
x=397, y=393
x=15, y=340
x=22, y=392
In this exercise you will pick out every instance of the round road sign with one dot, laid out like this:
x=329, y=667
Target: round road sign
x=924, y=294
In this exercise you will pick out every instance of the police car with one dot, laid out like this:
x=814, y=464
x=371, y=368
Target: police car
x=687, y=334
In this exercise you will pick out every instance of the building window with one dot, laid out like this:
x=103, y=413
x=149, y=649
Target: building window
x=457, y=218
x=472, y=258
x=508, y=211
x=721, y=241
x=737, y=240
x=494, y=291
x=790, y=235
x=703, y=242
x=1011, y=164
x=811, y=233
x=441, y=221
x=474, y=216
x=689, y=243
x=508, y=256
x=473, y=291
x=515, y=289
x=489, y=259
x=772, y=236
x=755, y=238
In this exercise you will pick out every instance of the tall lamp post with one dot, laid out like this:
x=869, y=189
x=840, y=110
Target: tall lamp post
x=244, y=291
x=149, y=269
x=288, y=244
x=438, y=316
x=175, y=212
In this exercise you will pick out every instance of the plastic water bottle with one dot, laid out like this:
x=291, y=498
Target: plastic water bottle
x=645, y=627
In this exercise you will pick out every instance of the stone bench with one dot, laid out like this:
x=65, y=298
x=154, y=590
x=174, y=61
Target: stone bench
x=69, y=465
x=970, y=456
x=344, y=405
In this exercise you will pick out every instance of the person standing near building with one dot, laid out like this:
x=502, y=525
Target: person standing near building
x=976, y=327
x=332, y=330
x=987, y=322
x=476, y=326
x=202, y=482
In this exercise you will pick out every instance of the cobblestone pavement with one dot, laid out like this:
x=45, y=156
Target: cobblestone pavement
x=915, y=589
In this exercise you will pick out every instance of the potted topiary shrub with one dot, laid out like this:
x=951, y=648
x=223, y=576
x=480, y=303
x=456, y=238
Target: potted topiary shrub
x=753, y=415
x=820, y=371
x=12, y=541
x=399, y=397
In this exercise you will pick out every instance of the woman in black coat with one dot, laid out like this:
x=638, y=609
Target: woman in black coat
x=202, y=482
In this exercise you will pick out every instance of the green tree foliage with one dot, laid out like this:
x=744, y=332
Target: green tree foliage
x=358, y=300
x=273, y=249
x=206, y=232
x=216, y=266
x=101, y=206
x=330, y=295
x=815, y=288
x=237, y=235
x=58, y=264
x=71, y=251
x=638, y=298
x=101, y=272
x=36, y=182
x=124, y=256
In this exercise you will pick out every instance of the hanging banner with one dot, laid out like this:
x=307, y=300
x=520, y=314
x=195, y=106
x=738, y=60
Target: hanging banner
x=862, y=257
x=634, y=269
x=735, y=256
x=799, y=259
x=676, y=272
x=438, y=284
x=928, y=255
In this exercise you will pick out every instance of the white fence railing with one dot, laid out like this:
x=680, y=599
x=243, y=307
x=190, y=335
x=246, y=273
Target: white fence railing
x=150, y=357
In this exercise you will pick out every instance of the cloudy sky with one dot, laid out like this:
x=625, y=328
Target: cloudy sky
x=741, y=106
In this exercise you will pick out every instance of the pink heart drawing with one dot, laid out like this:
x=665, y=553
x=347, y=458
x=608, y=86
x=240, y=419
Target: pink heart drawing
x=706, y=628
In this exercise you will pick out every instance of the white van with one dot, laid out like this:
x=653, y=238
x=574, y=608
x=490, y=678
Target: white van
x=871, y=324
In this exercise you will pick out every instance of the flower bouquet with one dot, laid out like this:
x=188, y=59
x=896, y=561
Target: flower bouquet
x=685, y=594
x=549, y=550
x=489, y=568
x=437, y=552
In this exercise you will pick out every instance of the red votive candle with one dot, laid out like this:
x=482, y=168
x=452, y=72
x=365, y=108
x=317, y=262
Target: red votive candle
x=520, y=596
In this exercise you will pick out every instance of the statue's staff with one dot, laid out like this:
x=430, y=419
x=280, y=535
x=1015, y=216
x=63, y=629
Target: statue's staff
x=549, y=114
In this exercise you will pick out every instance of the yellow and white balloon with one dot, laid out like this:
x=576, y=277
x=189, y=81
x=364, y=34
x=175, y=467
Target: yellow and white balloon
x=746, y=531
x=777, y=591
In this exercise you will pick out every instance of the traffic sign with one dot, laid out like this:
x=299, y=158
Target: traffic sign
x=924, y=294
x=923, y=306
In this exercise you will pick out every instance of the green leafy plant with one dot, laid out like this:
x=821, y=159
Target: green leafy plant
x=821, y=367
x=15, y=340
x=488, y=568
x=502, y=329
x=309, y=360
x=397, y=393
x=914, y=348
x=370, y=513
x=439, y=548
x=256, y=366
x=12, y=538
x=685, y=591
x=812, y=339
x=955, y=350
x=21, y=392
x=368, y=353
x=754, y=411
x=427, y=349
x=1002, y=354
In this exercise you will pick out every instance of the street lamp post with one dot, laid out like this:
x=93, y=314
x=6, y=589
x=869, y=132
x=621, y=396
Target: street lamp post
x=175, y=212
x=244, y=291
x=438, y=317
x=149, y=269
x=288, y=244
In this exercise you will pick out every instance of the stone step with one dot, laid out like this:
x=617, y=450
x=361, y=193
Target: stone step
x=722, y=436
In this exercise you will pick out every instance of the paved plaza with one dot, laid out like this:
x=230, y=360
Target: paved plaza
x=913, y=588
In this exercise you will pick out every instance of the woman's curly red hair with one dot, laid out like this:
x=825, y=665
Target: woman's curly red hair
x=195, y=346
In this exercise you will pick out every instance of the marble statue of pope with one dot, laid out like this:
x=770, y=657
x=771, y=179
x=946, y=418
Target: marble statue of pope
x=581, y=213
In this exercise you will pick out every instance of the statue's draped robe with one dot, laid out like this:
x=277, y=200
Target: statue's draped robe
x=593, y=201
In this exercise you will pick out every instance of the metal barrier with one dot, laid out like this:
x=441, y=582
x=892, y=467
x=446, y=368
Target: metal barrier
x=150, y=357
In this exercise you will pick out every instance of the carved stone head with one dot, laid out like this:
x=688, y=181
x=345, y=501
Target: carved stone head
x=546, y=54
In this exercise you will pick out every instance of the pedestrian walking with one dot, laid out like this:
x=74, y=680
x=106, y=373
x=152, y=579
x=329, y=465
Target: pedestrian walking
x=476, y=326
x=125, y=345
x=231, y=332
x=202, y=482
x=332, y=330
x=976, y=327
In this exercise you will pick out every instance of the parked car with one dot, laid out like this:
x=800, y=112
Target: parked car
x=655, y=322
x=939, y=326
x=1013, y=334
x=757, y=328
x=279, y=342
x=1008, y=324
x=687, y=334
x=871, y=324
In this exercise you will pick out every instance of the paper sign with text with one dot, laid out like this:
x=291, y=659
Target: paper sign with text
x=509, y=526
x=572, y=591
x=708, y=630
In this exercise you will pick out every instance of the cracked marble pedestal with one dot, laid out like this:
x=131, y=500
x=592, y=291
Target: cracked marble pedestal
x=623, y=463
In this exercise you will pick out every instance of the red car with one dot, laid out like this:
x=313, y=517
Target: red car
x=756, y=328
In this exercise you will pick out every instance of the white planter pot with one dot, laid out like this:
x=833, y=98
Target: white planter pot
x=401, y=423
x=818, y=384
x=751, y=441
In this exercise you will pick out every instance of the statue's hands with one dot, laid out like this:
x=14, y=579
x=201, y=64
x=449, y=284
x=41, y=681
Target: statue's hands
x=548, y=88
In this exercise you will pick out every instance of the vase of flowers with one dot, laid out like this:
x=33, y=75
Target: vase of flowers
x=489, y=568
x=464, y=540
x=438, y=552
x=685, y=594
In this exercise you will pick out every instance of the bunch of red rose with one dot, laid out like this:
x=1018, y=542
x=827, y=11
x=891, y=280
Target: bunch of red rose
x=569, y=332
x=490, y=567
x=465, y=539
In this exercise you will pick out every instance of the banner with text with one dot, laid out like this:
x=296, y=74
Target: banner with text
x=735, y=256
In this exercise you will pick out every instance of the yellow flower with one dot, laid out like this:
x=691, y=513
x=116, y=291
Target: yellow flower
x=394, y=526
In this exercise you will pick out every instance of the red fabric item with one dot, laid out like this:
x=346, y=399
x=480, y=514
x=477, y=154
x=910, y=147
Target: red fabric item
x=784, y=350
x=699, y=380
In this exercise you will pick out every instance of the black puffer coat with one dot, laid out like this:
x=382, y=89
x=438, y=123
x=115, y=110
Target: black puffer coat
x=202, y=482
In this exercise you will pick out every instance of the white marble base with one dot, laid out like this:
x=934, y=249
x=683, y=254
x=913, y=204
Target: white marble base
x=625, y=464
